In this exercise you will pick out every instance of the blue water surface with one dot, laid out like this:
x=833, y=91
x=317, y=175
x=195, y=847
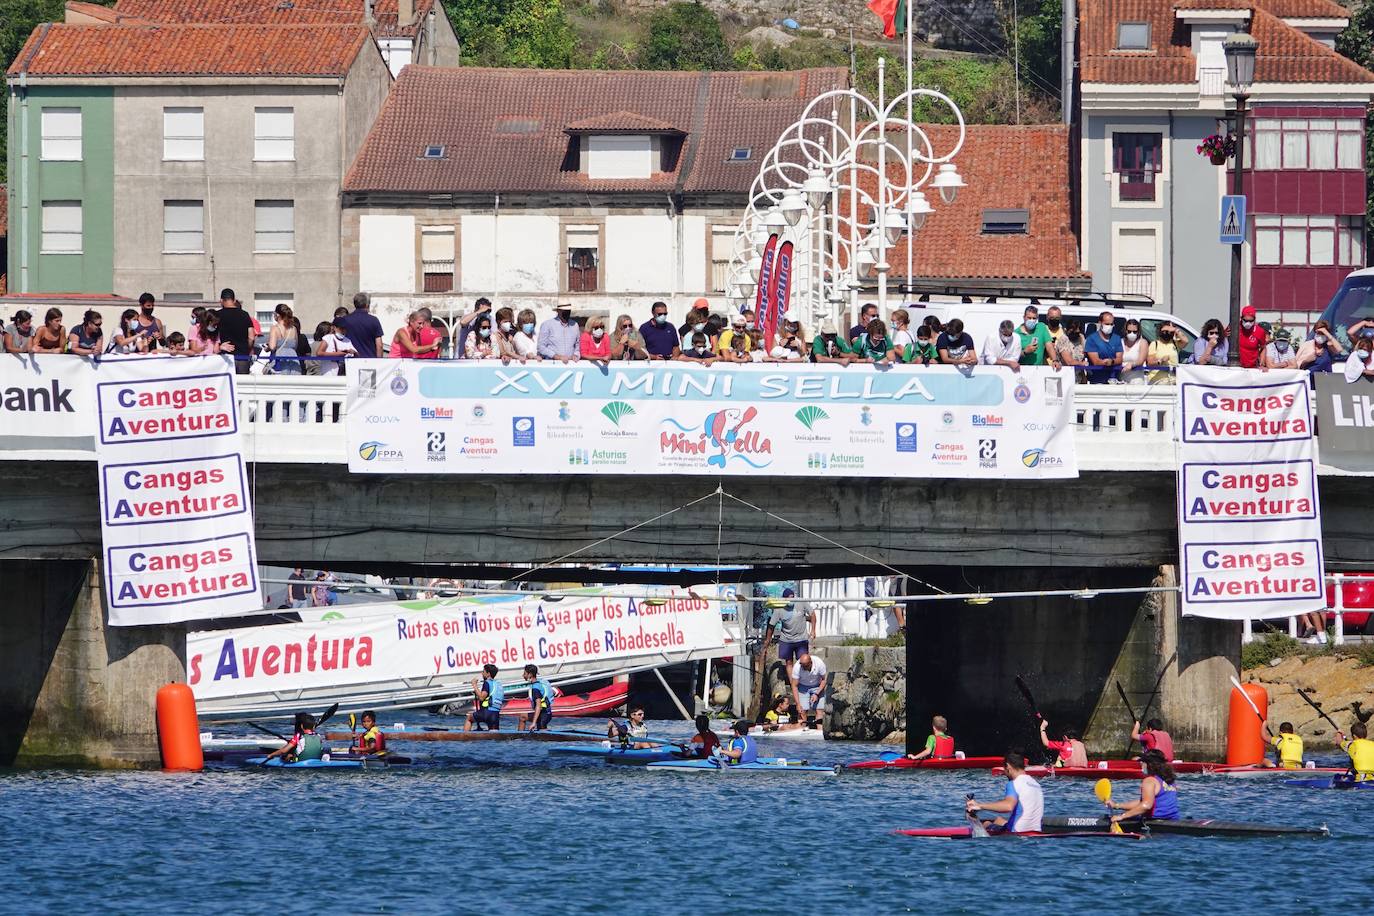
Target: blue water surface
x=497, y=828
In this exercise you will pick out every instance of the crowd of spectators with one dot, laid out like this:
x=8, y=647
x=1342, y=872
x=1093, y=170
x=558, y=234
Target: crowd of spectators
x=1114, y=351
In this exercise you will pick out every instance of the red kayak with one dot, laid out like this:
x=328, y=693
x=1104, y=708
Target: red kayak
x=1131, y=769
x=896, y=761
x=966, y=833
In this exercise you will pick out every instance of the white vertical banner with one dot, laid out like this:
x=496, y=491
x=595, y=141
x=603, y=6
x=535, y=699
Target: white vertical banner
x=175, y=516
x=1249, y=519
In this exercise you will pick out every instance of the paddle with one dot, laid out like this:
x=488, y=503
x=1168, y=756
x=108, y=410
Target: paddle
x=1129, y=711
x=974, y=823
x=1251, y=703
x=1145, y=713
x=1313, y=704
x=1103, y=790
x=1035, y=711
x=654, y=741
x=267, y=731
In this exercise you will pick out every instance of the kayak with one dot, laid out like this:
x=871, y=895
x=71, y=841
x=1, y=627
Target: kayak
x=1331, y=782
x=895, y=760
x=762, y=765
x=1248, y=771
x=1136, y=771
x=794, y=734
x=966, y=833
x=333, y=763
x=628, y=755
x=1187, y=826
x=434, y=733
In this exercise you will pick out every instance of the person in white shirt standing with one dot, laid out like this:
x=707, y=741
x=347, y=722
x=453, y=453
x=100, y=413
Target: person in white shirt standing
x=1003, y=348
x=808, y=687
x=1024, y=804
x=335, y=347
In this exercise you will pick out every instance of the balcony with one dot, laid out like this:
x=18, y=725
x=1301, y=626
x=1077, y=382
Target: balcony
x=1211, y=81
x=1136, y=184
x=1137, y=280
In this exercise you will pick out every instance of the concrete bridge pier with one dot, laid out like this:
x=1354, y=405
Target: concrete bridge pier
x=75, y=691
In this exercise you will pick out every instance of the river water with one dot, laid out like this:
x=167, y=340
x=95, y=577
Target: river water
x=497, y=828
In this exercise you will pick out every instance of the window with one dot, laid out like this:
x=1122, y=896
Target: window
x=436, y=256
x=1320, y=144
x=182, y=297
x=274, y=224
x=620, y=156
x=183, y=134
x=265, y=307
x=1137, y=160
x=434, y=152
x=583, y=244
x=61, y=134
x=1137, y=262
x=1006, y=222
x=1309, y=241
x=183, y=226
x=722, y=247
x=61, y=227
x=1133, y=36
x=741, y=154
x=274, y=134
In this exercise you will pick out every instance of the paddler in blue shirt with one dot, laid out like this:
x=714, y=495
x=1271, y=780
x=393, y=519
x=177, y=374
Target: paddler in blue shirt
x=541, y=699
x=1158, y=797
x=488, y=696
x=304, y=744
x=741, y=748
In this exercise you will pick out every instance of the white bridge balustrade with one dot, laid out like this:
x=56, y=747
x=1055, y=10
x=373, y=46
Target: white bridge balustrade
x=300, y=420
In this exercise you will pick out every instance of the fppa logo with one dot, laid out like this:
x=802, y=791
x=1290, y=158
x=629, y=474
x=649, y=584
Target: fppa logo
x=723, y=433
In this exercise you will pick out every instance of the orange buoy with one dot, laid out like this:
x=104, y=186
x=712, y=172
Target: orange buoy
x=178, y=728
x=1244, y=736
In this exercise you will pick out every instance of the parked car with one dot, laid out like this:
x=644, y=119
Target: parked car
x=1352, y=303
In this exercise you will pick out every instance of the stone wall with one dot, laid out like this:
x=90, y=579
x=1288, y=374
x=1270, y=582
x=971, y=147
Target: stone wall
x=865, y=690
x=1344, y=690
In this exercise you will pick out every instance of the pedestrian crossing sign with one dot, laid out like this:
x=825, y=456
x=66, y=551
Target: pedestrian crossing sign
x=1233, y=219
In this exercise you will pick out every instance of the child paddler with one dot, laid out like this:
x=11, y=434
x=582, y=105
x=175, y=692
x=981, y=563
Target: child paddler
x=1361, y=751
x=488, y=696
x=939, y=746
x=371, y=741
x=1071, y=751
x=304, y=744
x=541, y=699
x=740, y=748
x=705, y=741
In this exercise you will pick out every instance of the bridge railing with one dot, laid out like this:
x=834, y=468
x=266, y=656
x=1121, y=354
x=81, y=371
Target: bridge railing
x=300, y=419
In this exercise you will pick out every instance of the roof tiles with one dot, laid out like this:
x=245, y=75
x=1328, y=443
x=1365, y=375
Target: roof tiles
x=279, y=12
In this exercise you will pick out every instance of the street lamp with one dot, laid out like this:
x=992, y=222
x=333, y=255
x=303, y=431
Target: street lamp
x=1239, y=49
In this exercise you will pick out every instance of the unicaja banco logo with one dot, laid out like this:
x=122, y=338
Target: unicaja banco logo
x=616, y=410
x=810, y=415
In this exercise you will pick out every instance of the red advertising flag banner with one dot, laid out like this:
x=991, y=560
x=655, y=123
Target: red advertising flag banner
x=765, y=275
x=780, y=290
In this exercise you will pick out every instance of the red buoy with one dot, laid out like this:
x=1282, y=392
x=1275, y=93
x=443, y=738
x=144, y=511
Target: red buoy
x=1244, y=737
x=178, y=728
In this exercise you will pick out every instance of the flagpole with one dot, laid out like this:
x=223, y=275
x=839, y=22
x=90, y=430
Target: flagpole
x=910, y=237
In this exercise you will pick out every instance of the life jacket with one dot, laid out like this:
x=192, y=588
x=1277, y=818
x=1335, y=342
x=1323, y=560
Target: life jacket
x=496, y=695
x=749, y=750
x=1166, y=802
x=944, y=747
x=372, y=741
x=1361, y=751
x=309, y=746
x=1289, y=745
x=545, y=700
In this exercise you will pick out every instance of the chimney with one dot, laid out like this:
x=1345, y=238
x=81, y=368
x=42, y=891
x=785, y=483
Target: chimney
x=369, y=17
x=405, y=12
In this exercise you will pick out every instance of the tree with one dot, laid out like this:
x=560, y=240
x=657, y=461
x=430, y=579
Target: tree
x=1356, y=42
x=684, y=36
x=512, y=33
x=1039, y=31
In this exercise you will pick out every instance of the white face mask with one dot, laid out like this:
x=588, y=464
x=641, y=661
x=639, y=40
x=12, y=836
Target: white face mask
x=505, y=327
x=1106, y=330
x=1131, y=336
x=1006, y=338
x=597, y=333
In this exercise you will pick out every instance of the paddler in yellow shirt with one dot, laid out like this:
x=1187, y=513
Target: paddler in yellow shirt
x=1361, y=751
x=1288, y=744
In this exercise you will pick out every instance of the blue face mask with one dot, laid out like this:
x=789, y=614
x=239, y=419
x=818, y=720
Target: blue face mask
x=527, y=327
x=485, y=332
x=1031, y=323
x=659, y=319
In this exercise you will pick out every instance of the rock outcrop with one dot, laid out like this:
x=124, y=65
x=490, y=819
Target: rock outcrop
x=1340, y=685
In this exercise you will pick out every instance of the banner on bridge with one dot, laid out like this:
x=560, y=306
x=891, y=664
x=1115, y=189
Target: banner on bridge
x=1250, y=535
x=413, y=416
x=47, y=404
x=175, y=516
x=448, y=641
x=1345, y=411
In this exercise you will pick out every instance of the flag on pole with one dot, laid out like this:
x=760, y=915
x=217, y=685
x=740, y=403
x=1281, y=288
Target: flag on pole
x=893, y=15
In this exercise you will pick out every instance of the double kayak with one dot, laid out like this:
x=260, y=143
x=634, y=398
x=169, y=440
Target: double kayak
x=1343, y=781
x=1059, y=827
x=895, y=760
x=622, y=755
x=332, y=762
x=762, y=765
x=966, y=833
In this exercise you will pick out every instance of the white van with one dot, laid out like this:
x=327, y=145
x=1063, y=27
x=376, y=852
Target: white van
x=982, y=314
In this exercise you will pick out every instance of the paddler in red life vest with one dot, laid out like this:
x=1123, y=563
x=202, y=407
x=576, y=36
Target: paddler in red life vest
x=1071, y=751
x=740, y=748
x=939, y=746
x=371, y=741
x=1158, y=797
x=705, y=741
x=1154, y=738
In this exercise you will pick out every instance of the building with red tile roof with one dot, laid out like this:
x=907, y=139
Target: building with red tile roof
x=1151, y=86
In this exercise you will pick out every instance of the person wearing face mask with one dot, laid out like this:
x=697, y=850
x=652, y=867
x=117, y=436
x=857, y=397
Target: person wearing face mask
x=1210, y=349
x=828, y=347
x=594, y=343
x=1054, y=323
x=1033, y=339
x=902, y=340
x=503, y=332
x=1321, y=350
x=955, y=346
x=146, y=325
x=1103, y=349
x=1003, y=348
x=1071, y=350
x=525, y=347
x=560, y=336
x=1251, y=338
x=1162, y=355
x=700, y=350
x=696, y=323
x=1280, y=353
x=480, y=343
x=1134, y=354
x=867, y=315
x=922, y=352
x=1360, y=363
x=465, y=323
x=626, y=342
x=873, y=345
x=738, y=330
x=660, y=338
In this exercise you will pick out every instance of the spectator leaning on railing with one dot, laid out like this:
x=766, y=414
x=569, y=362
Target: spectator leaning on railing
x=1002, y=348
x=1103, y=350
x=1134, y=354
x=18, y=337
x=1210, y=348
x=559, y=336
x=1162, y=355
x=660, y=337
x=955, y=347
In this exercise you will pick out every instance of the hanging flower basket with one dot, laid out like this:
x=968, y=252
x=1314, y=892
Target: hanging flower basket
x=1217, y=148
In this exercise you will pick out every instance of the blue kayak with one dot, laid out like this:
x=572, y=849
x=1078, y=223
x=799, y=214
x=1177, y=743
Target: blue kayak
x=333, y=763
x=1330, y=782
x=762, y=765
x=630, y=756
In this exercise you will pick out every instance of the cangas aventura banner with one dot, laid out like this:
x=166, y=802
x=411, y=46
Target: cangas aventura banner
x=408, y=416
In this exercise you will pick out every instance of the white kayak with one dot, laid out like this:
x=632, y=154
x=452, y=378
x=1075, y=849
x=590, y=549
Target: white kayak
x=790, y=734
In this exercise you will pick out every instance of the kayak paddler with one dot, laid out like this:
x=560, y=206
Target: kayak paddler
x=1361, y=751
x=1288, y=747
x=541, y=699
x=371, y=741
x=488, y=696
x=1158, y=796
x=1024, y=803
x=939, y=746
x=705, y=741
x=626, y=732
x=740, y=748
x=304, y=744
x=780, y=715
x=1071, y=751
x=1154, y=738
